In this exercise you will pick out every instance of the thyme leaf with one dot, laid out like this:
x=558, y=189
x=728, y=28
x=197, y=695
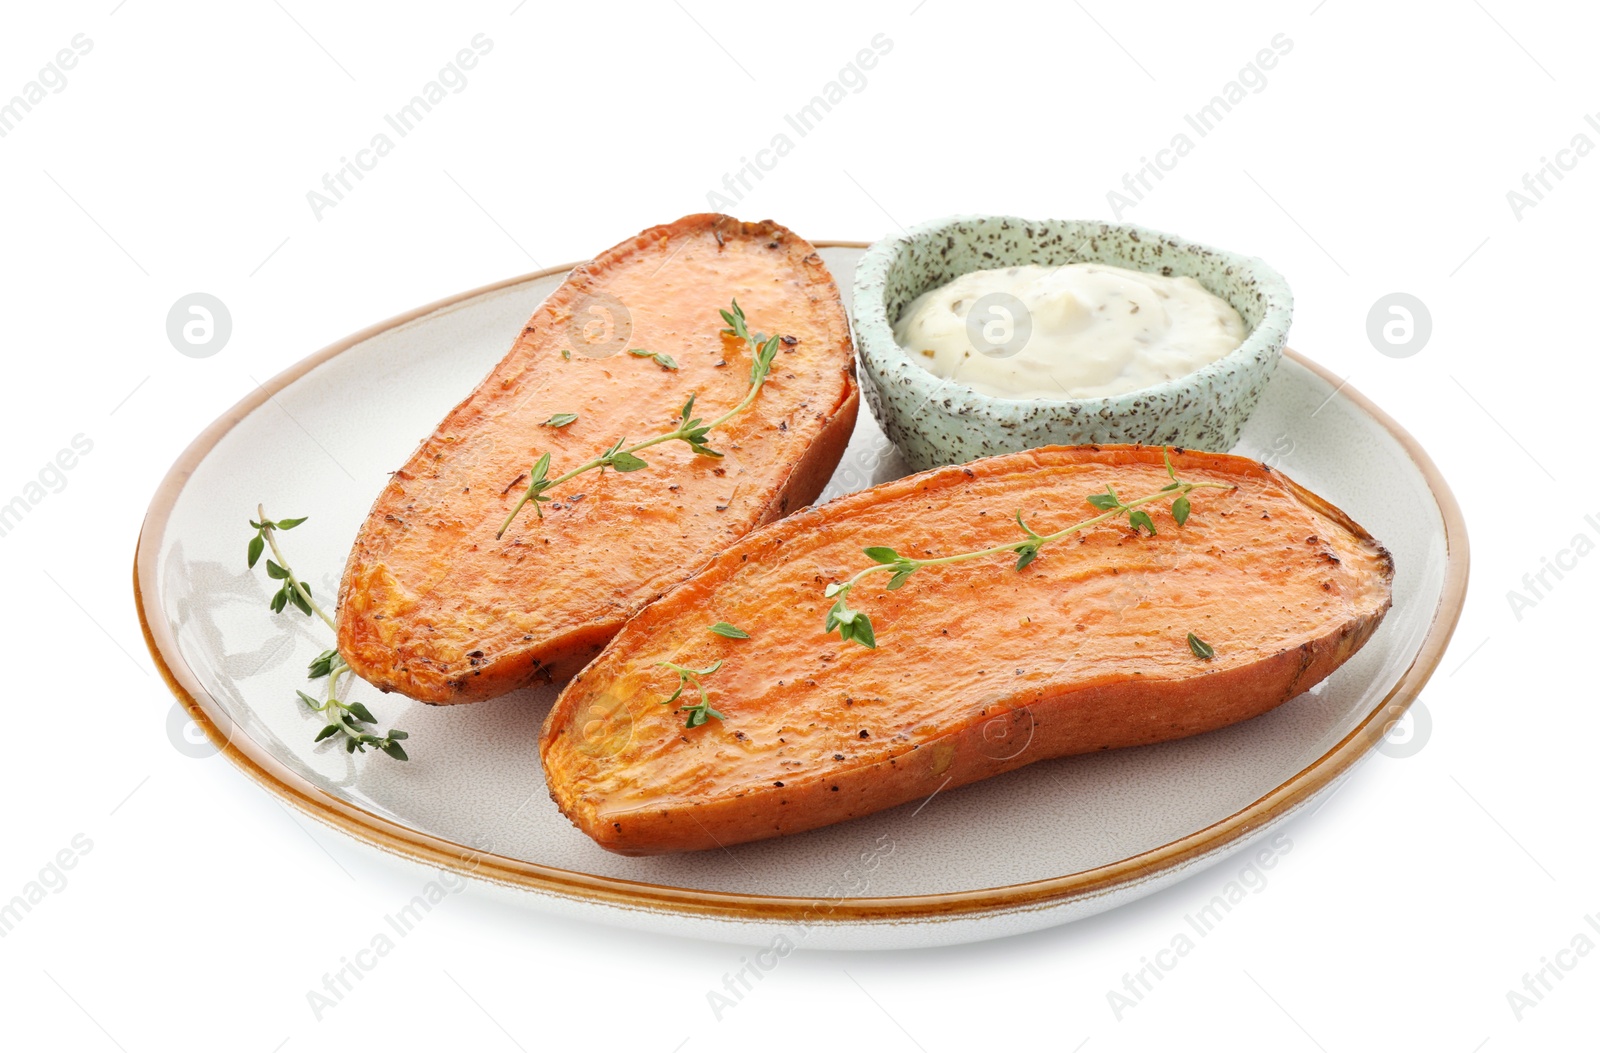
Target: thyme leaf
x=661, y=358
x=700, y=712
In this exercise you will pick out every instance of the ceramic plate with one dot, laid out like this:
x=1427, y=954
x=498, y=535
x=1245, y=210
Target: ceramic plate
x=1050, y=843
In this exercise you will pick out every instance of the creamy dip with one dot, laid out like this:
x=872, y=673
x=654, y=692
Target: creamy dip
x=1081, y=330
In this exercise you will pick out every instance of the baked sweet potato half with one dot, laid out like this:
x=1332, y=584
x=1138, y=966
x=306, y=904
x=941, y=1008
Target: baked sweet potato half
x=979, y=667
x=434, y=606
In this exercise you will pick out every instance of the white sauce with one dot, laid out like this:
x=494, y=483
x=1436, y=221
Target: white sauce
x=1082, y=330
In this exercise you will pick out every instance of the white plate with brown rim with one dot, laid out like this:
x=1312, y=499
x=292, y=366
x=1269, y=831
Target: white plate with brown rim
x=1049, y=843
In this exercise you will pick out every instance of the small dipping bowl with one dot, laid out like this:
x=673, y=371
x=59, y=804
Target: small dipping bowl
x=936, y=421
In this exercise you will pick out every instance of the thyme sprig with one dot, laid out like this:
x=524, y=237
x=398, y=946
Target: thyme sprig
x=701, y=711
x=343, y=718
x=665, y=361
x=855, y=625
x=690, y=430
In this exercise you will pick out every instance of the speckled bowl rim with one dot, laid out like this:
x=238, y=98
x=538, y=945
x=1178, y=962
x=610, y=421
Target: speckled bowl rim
x=880, y=352
x=538, y=879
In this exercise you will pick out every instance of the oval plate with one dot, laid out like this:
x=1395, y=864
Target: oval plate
x=1049, y=843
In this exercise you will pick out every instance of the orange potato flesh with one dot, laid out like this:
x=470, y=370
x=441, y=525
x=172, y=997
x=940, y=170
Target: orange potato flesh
x=979, y=668
x=433, y=606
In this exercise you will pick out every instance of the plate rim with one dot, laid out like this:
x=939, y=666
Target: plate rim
x=398, y=839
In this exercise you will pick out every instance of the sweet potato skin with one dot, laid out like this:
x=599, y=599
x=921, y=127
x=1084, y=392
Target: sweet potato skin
x=433, y=606
x=980, y=669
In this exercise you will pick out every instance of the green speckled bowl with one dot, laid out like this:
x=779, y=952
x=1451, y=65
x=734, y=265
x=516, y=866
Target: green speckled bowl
x=936, y=421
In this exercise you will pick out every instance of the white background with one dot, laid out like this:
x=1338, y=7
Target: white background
x=1376, y=159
